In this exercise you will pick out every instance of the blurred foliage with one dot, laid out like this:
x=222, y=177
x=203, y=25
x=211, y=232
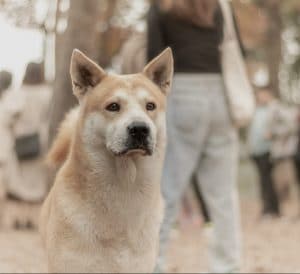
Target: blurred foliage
x=291, y=37
x=22, y=13
x=280, y=46
x=270, y=28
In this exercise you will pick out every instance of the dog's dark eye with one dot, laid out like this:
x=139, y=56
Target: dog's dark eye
x=150, y=106
x=113, y=107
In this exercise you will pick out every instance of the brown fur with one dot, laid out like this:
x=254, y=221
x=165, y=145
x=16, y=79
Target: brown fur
x=61, y=146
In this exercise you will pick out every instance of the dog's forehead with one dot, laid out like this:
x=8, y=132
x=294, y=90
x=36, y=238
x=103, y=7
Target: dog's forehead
x=126, y=86
x=140, y=93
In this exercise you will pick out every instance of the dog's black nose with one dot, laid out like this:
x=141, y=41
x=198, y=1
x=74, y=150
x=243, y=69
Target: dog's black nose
x=138, y=130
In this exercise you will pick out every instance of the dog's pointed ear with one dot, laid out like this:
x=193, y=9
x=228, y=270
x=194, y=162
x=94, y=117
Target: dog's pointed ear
x=85, y=73
x=160, y=70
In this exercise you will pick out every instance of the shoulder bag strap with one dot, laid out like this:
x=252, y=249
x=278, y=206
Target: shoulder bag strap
x=229, y=29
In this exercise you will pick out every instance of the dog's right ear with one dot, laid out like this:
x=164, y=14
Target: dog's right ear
x=160, y=70
x=85, y=73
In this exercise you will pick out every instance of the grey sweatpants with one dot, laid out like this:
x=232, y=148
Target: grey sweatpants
x=202, y=139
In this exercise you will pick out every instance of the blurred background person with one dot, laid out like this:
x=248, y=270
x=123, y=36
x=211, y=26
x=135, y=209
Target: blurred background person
x=26, y=185
x=31, y=135
x=201, y=141
x=10, y=109
x=260, y=148
x=273, y=144
x=283, y=130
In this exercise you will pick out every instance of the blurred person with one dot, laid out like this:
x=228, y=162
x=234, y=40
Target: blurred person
x=260, y=144
x=31, y=135
x=283, y=131
x=10, y=109
x=202, y=138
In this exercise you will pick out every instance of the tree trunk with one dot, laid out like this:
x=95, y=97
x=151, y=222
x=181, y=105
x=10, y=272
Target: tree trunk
x=274, y=43
x=104, y=57
x=82, y=33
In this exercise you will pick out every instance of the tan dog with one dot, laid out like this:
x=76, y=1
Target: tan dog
x=104, y=211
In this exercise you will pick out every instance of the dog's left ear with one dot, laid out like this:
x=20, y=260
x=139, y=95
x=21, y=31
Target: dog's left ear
x=160, y=70
x=85, y=73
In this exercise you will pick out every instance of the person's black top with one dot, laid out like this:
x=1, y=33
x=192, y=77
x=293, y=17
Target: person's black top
x=195, y=48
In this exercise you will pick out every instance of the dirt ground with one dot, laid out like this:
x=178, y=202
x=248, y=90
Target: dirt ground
x=268, y=246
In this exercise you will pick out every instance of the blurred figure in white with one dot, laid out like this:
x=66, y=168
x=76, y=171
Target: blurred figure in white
x=10, y=109
x=202, y=138
x=31, y=135
x=283, y=131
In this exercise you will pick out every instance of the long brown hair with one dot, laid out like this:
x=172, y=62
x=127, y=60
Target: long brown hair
x=199, y=12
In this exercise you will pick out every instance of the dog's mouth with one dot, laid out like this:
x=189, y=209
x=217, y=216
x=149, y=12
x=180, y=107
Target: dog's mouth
x=136, y=149
x=144, y=151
